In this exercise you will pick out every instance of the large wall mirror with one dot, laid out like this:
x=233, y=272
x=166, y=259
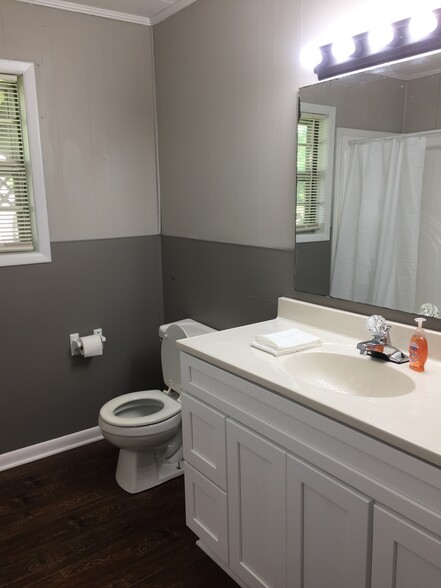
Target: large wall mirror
x=368, y=226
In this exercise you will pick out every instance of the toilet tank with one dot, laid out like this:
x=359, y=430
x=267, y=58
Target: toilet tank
x=169, y=334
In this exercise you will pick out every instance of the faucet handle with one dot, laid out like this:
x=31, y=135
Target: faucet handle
x=377, y=326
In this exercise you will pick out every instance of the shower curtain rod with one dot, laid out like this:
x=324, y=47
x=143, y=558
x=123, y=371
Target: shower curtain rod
x=397, y=136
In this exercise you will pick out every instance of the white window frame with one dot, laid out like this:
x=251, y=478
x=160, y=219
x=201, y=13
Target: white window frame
x=37, y=204
x=324, y=232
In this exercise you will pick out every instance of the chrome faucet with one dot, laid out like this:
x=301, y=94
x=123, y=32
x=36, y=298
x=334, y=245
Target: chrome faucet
x=380, y=345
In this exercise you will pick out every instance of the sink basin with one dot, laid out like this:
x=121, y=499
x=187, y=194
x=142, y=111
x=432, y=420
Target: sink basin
x=346, y=374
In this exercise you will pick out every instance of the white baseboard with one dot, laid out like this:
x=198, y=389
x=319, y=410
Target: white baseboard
x=40, y=450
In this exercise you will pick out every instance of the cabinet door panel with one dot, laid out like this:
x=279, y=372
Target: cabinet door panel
x=206, y=512
x=203, y=431
x=328, y=532
x=404, y=555
x=256, y=508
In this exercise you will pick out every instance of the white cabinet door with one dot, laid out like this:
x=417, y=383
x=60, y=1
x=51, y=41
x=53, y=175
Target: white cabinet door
x=404, y=555
x=256, y=508
x=203, y=432
x=328, y=530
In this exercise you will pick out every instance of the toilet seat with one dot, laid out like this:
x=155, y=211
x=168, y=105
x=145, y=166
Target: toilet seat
x=138, y=409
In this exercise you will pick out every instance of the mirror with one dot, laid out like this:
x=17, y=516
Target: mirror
x=368, y=226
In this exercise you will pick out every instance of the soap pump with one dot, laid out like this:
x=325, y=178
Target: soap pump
x=418, y=349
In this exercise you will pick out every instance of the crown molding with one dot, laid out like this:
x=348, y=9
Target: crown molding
x=170, y=10
x=72, y=7
x=104, y=13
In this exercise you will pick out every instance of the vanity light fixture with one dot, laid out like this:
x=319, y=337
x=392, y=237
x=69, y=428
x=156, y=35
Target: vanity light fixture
x=343, y=49
x=310, y=56
x=402, y=39
x=380, y=37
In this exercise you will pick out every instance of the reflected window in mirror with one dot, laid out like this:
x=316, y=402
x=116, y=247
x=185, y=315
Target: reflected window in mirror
x=315, y=152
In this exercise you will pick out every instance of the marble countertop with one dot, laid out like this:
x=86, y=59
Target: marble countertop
x=410, y=422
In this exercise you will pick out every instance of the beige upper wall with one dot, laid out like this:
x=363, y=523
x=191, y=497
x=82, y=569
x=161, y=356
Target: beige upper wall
x=96, y=104
x=362, y=101
x=226, y=90
x=423, y=104
x=227, y=76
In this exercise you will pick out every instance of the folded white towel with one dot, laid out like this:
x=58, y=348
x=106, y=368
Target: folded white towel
x=284, y=342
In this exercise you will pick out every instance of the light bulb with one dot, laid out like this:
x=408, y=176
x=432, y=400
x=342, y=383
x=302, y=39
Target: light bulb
x=310, y=56
x=379, y=37
x=422, y=24
x=343, y=48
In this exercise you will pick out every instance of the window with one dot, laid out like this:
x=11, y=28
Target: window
x=315, y=150
x=24, y=234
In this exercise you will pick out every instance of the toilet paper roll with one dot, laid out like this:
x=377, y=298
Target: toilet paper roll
x=91, y=345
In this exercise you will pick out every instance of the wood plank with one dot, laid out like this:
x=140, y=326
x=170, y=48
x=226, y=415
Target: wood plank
x=65, y=522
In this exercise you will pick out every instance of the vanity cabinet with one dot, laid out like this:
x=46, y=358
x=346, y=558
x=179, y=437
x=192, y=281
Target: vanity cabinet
x=285, y=516
x=281, y=496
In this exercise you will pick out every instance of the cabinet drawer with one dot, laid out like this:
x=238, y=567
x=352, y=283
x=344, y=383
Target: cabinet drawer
x=203, y=430
x=206, y=512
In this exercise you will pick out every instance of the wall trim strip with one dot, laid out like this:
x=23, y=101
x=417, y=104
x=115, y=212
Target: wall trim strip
x=18, y=457
x=113, y=14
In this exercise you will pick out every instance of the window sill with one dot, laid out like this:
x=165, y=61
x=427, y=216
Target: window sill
x=9, y=259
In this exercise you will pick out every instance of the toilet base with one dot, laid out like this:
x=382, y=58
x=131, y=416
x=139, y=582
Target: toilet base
x=140, y=470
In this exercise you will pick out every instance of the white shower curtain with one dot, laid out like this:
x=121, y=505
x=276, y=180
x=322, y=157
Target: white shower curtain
x=376, y=251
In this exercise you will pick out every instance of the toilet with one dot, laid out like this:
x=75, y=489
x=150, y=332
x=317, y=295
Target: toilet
x=146, y=425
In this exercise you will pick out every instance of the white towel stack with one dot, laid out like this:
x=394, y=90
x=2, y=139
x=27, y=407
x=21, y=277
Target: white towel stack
x=283, y=342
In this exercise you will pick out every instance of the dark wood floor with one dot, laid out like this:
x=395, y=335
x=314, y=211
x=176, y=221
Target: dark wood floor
x=65, y=522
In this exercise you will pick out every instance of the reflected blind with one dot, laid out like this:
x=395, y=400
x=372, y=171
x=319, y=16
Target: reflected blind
x=15, y=217
x=312, y=155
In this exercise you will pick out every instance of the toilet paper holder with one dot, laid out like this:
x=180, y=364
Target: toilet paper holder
x=76, y=344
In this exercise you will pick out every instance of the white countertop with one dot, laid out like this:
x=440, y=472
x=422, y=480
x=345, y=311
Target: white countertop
x=410, y=422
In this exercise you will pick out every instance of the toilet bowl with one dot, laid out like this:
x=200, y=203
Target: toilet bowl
x=146, y=425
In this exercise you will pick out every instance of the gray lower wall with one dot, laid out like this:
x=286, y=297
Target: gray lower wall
x=223, y=285
x=226, y=285
x=313, y=267
x=114, y=284
x=117, y=284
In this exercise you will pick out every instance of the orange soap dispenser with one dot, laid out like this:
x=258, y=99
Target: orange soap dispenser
x=418, y=349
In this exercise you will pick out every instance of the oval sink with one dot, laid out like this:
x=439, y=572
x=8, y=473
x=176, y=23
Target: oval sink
x=345, y=374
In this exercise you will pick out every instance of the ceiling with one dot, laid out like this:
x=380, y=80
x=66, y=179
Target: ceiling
x=147, y=12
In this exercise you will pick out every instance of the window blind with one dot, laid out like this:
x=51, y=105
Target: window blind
x=15, y=217
x=312, y=156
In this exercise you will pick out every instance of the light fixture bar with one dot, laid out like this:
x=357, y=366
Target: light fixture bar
x=402, y=46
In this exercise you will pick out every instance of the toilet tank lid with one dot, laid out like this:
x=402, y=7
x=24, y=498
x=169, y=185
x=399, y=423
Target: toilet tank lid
x=190, y=327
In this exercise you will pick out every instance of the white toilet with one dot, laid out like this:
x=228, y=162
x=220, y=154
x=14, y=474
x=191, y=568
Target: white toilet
x=146, y=425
